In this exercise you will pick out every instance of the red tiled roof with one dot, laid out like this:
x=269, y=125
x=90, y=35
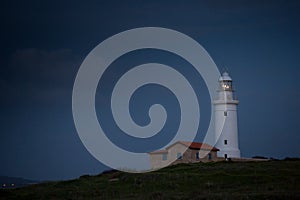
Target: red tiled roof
x=198, y=145
x=191, y=145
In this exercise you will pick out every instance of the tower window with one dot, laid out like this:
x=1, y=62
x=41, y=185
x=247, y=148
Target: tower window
x=209, y=156
x=225, y=113
x=225, y=142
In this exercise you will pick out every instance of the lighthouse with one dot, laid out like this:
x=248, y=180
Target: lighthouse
x=226, y=129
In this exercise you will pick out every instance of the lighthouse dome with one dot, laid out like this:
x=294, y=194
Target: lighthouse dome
x=225, y=77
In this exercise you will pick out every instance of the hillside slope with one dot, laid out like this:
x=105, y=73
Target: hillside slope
x=222, y=180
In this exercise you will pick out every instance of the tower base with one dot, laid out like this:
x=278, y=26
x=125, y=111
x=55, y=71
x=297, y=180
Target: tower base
x=230, y=153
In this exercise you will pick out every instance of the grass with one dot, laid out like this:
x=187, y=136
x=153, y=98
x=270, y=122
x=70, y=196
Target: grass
x=220, y=180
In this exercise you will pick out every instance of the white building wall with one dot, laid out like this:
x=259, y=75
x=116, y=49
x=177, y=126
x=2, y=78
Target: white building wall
x=226, y=129
x=157, y=162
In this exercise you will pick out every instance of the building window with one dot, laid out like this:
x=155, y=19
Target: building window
x=225, y=113
x=225, y=142
x=197, y=156
x=164, y=156
x=225, y=155
x=209, y=156
x=179, y=156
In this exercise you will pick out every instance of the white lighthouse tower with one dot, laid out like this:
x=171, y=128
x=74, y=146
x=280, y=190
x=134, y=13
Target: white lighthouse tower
x=226, y=130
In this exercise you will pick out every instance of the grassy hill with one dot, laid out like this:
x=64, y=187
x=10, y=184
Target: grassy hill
x=221, y=180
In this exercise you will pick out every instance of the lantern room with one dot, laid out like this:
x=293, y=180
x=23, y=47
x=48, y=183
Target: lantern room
x=225, y=82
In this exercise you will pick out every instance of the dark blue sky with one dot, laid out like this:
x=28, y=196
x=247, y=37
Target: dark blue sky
x=44, y=42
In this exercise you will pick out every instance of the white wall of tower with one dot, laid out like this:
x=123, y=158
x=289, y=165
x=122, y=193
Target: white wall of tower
x=226, y=127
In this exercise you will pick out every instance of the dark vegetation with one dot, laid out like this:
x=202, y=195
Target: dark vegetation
x=220, y=180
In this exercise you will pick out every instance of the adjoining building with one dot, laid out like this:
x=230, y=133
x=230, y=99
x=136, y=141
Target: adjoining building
x=183, y=152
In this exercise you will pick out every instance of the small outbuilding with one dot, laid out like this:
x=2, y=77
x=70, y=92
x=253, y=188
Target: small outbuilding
x=183, y=152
